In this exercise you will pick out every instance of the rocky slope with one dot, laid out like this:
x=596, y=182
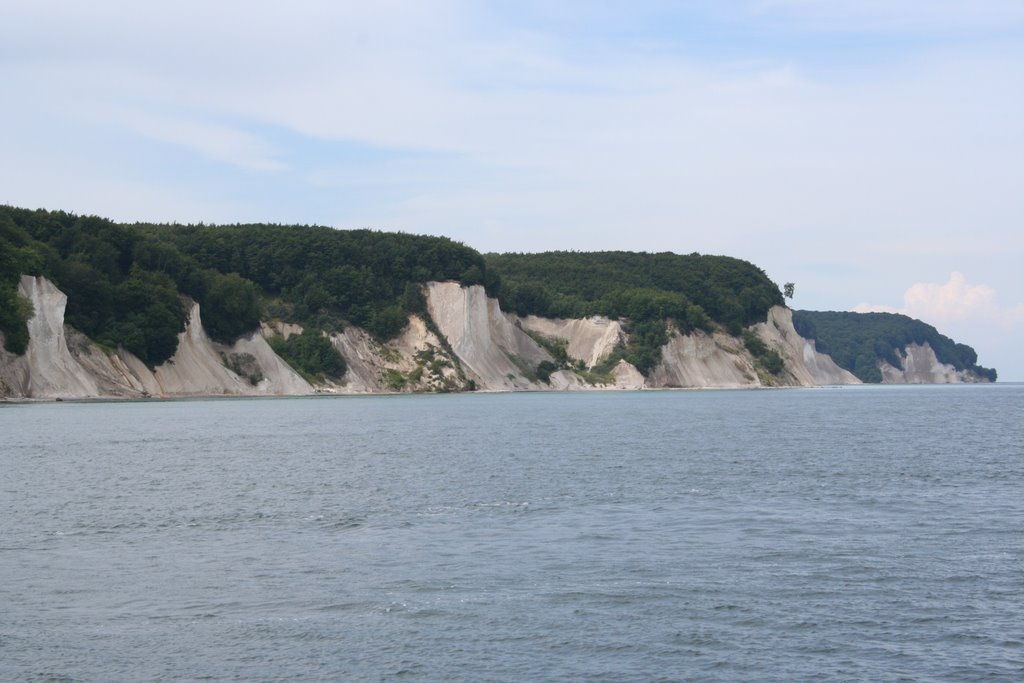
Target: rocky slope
x=472, y=344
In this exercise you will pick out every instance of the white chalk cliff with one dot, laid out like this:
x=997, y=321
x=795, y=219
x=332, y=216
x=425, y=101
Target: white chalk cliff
x=921, y=366
x=472, y=344
x=495, y=353
x=63, y=363
x=415, y=361
x=802, y=364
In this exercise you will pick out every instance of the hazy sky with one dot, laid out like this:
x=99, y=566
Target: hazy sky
x=871, y=151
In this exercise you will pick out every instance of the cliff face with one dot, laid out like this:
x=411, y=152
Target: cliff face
x=63, y=363
x=703, y=360
x=58, y=364
x=921, y=366
x=414, y=362
x=803, y=364
x=495, y=348
x=495, y=353
x=708, y=360
x=201, y=366
x=589, y=340
x=482, y=348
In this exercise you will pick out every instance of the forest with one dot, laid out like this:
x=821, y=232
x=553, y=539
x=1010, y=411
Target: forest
x=856, y=341
x=691, y=289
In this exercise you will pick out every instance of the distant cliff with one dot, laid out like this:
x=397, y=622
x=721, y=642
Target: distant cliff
x=891, y=348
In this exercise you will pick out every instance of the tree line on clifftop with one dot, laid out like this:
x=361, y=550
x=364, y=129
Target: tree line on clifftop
x=126, y=284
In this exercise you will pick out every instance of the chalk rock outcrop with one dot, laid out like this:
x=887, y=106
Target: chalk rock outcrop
x=495, y=353
x=702, y=360
x=589, y=340
x=803, y=364
x=415, y=361
x=63, y=363
x=626, y=376
x=921, y=366
x=201, y=367
x=51, y=368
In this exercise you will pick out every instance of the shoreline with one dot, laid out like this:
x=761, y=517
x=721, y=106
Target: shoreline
x=490, y=392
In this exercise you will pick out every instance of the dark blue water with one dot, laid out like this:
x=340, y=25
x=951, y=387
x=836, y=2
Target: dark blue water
x=864, y=533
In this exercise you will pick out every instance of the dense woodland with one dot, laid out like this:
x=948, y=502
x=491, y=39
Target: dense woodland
x=126, y=286
x=856, y=341
x=693, y=290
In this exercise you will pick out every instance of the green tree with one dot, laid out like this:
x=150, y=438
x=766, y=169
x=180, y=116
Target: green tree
x=311, y=353
x=230, y=308
x=413, y=299
x=147, y=317
x=772, y=362
x=15, y=311
x=387, y=322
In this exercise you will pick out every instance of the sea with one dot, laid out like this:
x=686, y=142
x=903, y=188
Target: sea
x=870, y=533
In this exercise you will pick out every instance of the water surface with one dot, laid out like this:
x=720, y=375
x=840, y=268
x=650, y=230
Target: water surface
x=862, y=533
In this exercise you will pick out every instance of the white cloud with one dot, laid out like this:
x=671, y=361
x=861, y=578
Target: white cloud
x=970, y=314
x=213, y=141
x=952, y=302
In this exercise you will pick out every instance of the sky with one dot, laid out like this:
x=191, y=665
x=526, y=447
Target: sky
x=869, y=151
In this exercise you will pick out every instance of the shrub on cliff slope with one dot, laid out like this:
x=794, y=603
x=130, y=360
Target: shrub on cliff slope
x=15, y=311
x=311, y=353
